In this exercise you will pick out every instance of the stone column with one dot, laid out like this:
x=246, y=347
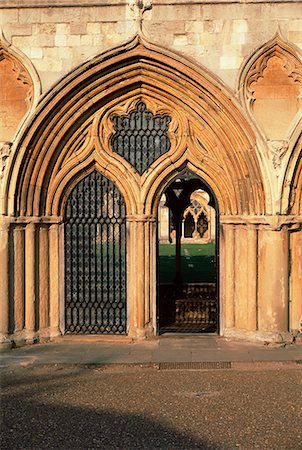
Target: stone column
x=227, y=268
x=296, y=280
x=19, y=282
x=44, y=282
x=245, y=277
x=139, y=280
x=4, y=282
x=54, y=279
x=273, y=279
x=30, y=287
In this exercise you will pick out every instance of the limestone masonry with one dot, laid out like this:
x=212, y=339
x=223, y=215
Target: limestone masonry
x=222, y=80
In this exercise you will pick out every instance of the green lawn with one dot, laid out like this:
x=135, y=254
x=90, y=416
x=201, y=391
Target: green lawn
x=198, y=263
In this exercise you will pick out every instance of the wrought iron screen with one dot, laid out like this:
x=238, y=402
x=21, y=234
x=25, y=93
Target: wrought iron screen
x=95, y=258
x=141, y=137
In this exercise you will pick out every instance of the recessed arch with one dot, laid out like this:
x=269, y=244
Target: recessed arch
x=270, y=83
x=218, y=137
x=292, y=185
x=23, y=89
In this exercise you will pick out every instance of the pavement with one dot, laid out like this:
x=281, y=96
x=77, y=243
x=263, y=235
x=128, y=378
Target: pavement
x=168, y=351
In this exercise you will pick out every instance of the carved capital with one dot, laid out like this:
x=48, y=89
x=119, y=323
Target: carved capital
x=5, y=149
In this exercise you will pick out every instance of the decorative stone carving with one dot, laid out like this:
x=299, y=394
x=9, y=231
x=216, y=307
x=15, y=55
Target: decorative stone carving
x=139, y=7
x=277, y=150
x=5, y=148
x=141, y=137
x=270, y=86
x=18, y=89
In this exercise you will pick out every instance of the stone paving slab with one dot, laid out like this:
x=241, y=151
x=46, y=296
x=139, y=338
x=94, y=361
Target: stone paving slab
x=174, y=349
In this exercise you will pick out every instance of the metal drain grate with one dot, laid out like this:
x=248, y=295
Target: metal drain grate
x=195, y=365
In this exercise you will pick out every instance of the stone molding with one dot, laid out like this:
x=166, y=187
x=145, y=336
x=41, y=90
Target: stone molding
x=253, y=69
x=24, y=72
x=206, y=127
x=10, y=4
x=269, y=222
x=5, y=150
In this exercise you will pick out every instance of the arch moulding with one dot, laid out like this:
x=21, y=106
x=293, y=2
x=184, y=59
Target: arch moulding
x=70, y=135
x=72, y=126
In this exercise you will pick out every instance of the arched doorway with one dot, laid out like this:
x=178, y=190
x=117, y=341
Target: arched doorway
x=188, y=266
x=95, y=258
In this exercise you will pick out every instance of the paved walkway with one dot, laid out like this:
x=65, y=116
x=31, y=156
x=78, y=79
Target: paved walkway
x=183, y=351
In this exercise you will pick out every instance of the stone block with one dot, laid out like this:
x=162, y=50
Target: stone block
x=60, y=40
x=55, y=15
x=9, y=16
x=240, y=26
x=73, y=40
x=167, y=13
x=65, y=53
x=125, y=27
x=62, y=28
x=22, y=30
x=50, y=52
x=78, y=28
x=222, y=11
x=93, y=28
x=36, y=53
x=295, y=36
x=43, y=28
x=180, y=40
x=194, y=26
x=217, y=26
x=193, y=39
x=86, y=40
x=28, y=15
x=230, y=62
x=295, y=25
x=49, y=65
x=238, y=39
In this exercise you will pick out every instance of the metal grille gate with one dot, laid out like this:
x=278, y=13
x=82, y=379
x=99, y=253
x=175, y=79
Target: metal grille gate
x=95, y=258
x=141, y=137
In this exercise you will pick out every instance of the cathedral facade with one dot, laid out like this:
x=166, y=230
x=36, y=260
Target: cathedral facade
x=104, y=107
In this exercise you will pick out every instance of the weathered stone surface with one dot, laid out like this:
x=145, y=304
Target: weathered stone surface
x=228, y=74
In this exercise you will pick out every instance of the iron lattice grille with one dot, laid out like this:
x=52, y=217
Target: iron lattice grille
x=95, y=258
x=141, y=137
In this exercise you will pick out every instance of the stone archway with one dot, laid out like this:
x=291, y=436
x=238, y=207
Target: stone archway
x=72, y=134
x=188, y=273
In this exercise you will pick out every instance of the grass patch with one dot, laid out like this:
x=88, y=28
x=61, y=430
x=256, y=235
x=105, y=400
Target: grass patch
x=198, y=263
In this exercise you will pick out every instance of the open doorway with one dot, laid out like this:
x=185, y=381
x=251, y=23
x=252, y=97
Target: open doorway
x=187, y=257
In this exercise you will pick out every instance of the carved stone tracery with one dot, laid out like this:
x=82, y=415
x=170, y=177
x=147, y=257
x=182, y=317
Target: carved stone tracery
x=270, y=87
x=140, y=137
x=18, y=86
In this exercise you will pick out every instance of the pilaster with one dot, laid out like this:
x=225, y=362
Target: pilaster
x=4, y=282
x=54, y=279
x=30, y=283
x=141, y=276
x=19, y=282
x=273, y=279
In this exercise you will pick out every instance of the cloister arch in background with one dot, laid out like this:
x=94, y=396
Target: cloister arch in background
x=70, y=136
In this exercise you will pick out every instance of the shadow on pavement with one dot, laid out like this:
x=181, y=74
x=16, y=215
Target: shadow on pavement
x=37, y=413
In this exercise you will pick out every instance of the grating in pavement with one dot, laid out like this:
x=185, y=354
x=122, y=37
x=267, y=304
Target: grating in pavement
x=195, y=365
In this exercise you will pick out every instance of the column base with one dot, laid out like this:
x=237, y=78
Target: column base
x=271, y=337
x=5, y=343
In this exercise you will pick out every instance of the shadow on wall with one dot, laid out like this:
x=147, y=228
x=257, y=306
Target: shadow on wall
x=38, y=413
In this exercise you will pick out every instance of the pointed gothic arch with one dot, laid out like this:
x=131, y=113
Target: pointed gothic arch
x=23, y=88
x=258, y=85
x=66, y=133
x=70, y=136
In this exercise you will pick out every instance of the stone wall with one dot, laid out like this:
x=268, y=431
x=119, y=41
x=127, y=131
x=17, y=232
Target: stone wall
x=220, y=35
x=227, y=72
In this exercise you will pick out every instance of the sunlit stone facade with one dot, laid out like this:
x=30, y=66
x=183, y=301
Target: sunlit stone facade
x=227, y=76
